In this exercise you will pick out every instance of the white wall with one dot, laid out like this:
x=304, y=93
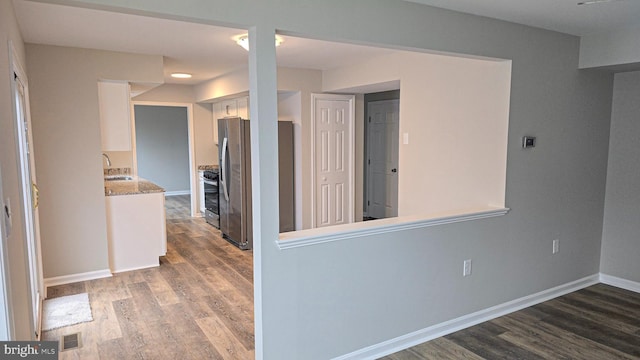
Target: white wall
x=228, y=84
x=455, y=112
x=119, y=159
x=66, y=136
x=323, y=301
x=620, y=245
x=306, y=82
x=616, y=49
x=15, y=244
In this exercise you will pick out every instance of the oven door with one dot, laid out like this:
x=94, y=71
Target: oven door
x=211, y=202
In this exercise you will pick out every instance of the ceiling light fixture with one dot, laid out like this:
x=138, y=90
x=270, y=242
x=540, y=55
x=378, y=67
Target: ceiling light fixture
x=181, y=76
x=593, y=2
x=243, y=40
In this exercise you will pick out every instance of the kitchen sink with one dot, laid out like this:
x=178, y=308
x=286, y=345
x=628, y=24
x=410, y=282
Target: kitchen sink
x=117, y=177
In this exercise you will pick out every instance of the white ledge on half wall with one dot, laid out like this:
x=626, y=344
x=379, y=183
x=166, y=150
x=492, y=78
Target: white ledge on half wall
x=308, y=237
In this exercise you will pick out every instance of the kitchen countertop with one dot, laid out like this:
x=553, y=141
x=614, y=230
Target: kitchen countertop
x=136, y=185
x=207, y=167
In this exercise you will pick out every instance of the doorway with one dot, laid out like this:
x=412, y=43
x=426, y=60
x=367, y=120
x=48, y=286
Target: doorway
x=381, y=162
x=164, y=147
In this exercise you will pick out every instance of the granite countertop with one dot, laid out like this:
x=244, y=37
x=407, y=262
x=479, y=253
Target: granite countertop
x=207, y=167
x=136, y=185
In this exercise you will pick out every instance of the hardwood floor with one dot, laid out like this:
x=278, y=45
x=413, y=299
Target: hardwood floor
x=178, y=207
x=198, y=304
x=599, y=322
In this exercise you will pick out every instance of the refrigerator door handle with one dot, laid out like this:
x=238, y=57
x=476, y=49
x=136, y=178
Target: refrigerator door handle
x=223, y=171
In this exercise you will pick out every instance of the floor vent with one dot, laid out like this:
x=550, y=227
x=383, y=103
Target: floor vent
x=69, y=342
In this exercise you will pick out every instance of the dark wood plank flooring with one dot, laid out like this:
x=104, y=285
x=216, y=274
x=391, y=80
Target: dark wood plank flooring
x=198, y=304
x=599, y=322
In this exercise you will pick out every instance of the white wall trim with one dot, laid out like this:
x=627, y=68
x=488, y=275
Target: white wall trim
x=136, y=268
x=310, y=237
x=406, y=341
x=68, y=279
x=176, y=193
x=620, y=282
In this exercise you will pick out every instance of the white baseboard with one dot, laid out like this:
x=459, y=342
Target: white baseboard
x=137, y=267
x=406, y=341
x=620, y=282
x=180, y=192
x=68, y=279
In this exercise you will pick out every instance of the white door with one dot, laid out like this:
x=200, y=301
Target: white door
x=333, y=159
x=29, y=194
x=382, y=149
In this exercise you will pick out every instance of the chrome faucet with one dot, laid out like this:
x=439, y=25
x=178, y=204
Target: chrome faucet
x=108, y=160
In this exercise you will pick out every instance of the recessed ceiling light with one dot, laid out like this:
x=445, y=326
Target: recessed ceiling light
x=243, y=40
x=181, y=76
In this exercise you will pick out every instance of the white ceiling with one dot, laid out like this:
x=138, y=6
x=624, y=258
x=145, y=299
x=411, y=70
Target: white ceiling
x=203, y=50
x=208, y=51
x=559, y=15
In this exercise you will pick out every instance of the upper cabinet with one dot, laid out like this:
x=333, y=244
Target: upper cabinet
x=115, y=115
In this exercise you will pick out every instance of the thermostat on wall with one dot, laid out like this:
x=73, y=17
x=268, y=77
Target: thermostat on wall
x=528, y=142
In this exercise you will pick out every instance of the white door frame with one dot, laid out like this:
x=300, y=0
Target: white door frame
x=6, y=316
x=351, y=150
x=193, y=171
x=28, y=189
x=367, y=135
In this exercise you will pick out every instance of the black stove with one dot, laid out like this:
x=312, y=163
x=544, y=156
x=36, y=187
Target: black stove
x=212, y=212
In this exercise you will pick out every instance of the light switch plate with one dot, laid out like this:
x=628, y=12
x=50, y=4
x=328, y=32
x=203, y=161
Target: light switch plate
x=528, y=142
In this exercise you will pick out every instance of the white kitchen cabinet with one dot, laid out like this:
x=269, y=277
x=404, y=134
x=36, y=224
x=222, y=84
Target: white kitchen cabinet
x=115, y=115
x=201, y=191
x=136, y=231
x=236, y=107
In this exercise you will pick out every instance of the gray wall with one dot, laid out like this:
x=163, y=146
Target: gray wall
x=206, y=152
x=321, y=301
x=619, y=49
x=621, y=229
x=14, y=245
x=162, y=146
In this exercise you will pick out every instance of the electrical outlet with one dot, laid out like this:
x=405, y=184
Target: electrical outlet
x=556, y=246
x=466, y=268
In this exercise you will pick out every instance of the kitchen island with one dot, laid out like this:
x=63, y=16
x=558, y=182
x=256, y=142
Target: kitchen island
x=136, y=223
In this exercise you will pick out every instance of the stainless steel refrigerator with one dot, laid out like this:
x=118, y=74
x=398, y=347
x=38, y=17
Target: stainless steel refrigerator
x=234, y=150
